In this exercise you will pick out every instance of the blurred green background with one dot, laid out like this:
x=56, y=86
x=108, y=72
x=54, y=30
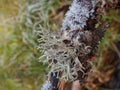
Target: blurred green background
x=20, y=20
x=19, y=66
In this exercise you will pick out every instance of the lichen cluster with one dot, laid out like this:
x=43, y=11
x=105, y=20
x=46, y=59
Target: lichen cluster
x=79, y=12
x=69, y=53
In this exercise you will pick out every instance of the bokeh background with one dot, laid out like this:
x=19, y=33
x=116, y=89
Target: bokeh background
x=20, y=22
x=19, y=66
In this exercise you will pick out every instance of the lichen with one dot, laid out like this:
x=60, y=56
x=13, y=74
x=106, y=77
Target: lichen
x=80, y=11
x=47, y=86
x=70, y=53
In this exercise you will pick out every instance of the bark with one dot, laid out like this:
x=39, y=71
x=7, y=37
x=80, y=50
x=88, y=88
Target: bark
x=71, y=55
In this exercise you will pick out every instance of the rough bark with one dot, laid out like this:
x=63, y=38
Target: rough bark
x=71, y=54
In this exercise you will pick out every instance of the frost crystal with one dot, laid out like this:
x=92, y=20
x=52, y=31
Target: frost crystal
x=47, y=86
x=80, y=11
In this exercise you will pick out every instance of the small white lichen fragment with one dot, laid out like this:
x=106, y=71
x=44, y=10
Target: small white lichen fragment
x=47, y=86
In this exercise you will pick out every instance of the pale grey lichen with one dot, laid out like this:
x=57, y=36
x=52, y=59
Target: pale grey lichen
x=69, y=53
x=80, y=11
x=64, y=59
x=47, y=86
